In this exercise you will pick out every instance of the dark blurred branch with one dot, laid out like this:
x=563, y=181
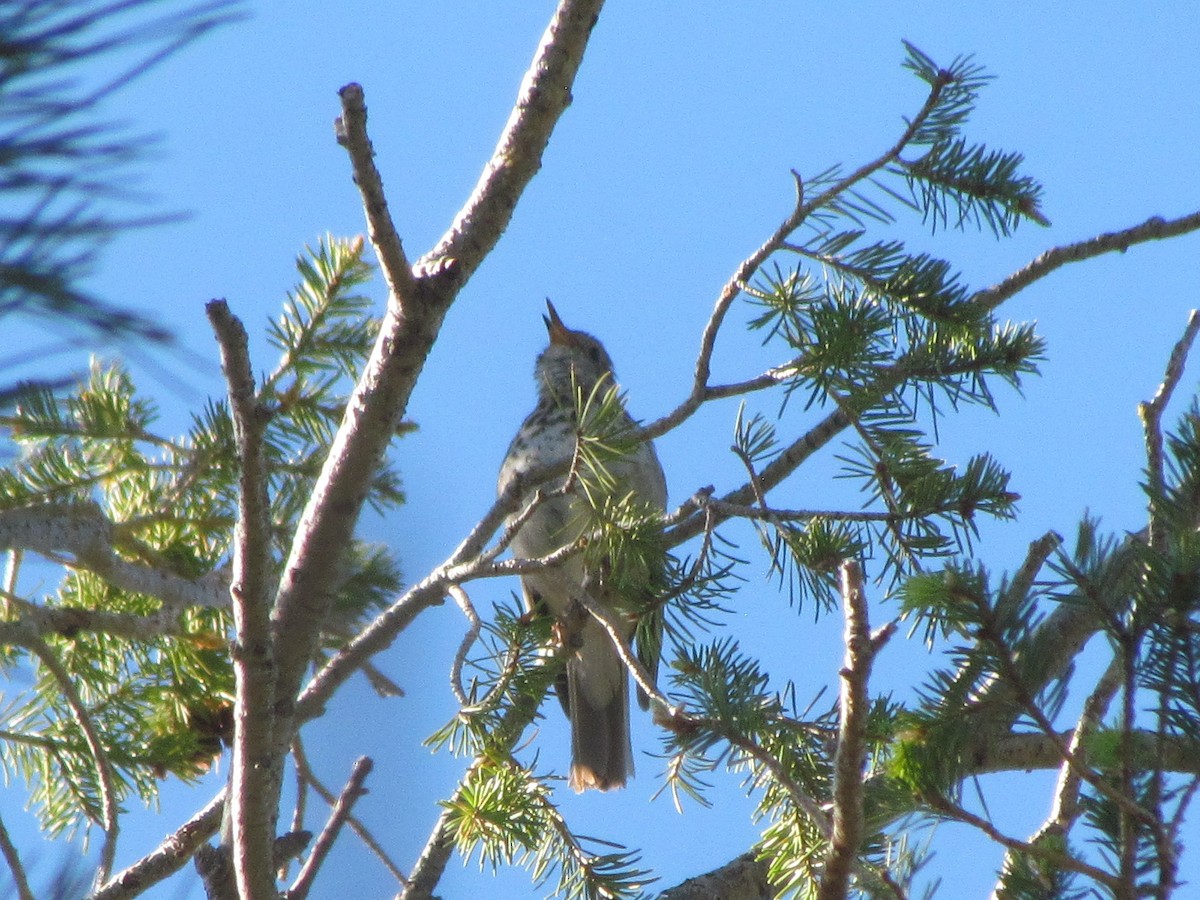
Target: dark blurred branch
x=13, y=859
x=62, y=167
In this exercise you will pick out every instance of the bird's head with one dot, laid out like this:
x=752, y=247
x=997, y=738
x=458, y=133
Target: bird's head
x=573, y=359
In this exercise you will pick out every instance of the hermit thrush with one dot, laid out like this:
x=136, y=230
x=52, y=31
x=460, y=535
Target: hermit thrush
x=595, y=691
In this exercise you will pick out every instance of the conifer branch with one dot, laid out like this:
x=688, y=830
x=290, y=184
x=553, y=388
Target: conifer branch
x=109, y=806
x=429, y=867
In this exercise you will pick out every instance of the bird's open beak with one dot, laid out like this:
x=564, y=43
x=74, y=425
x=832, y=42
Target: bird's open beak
x=559, y=333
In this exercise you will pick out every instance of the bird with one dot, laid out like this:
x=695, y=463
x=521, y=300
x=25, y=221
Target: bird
x=595, y=690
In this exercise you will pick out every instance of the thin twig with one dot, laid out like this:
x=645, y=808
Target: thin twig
x=607, y=620
x=304, y=770
x=13, y=858
x=732, y=289
x=301, y=807
x=468, y=641
x=337, y=818
x=383, y=629
x=774, y=514
x=1052, y=855
x=1151, y=413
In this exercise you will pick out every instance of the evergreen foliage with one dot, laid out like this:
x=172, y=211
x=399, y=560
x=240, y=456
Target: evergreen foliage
x=162, y=697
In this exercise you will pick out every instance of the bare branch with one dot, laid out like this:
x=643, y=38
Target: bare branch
x=701, y=392
x=544, y=95
x=309, y=777
x=1024, y=696
x=430, y=591
x=1153, y=229
x=337, y=818
x=1057, y=857
x=37, y=622
x=781, y=466
x=1039, y=551
x=253, y=807
x=381, y=396
x=1151, y=413
x=351, y=128
x=607, y=620
x=168, y=858
x=468, y=641
x=849, y=758
x=82, y=530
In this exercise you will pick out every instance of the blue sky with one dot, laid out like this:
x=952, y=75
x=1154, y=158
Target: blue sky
x=670, y=167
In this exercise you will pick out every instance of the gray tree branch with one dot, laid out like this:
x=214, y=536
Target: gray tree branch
x=543, y=97
x=166, y=859
x=83, y=531
x=253, y=807
x=850, y=756
x=333, y=826
x=1155, y=228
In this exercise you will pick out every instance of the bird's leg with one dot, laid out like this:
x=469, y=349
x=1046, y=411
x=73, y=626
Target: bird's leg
x=568, y=629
